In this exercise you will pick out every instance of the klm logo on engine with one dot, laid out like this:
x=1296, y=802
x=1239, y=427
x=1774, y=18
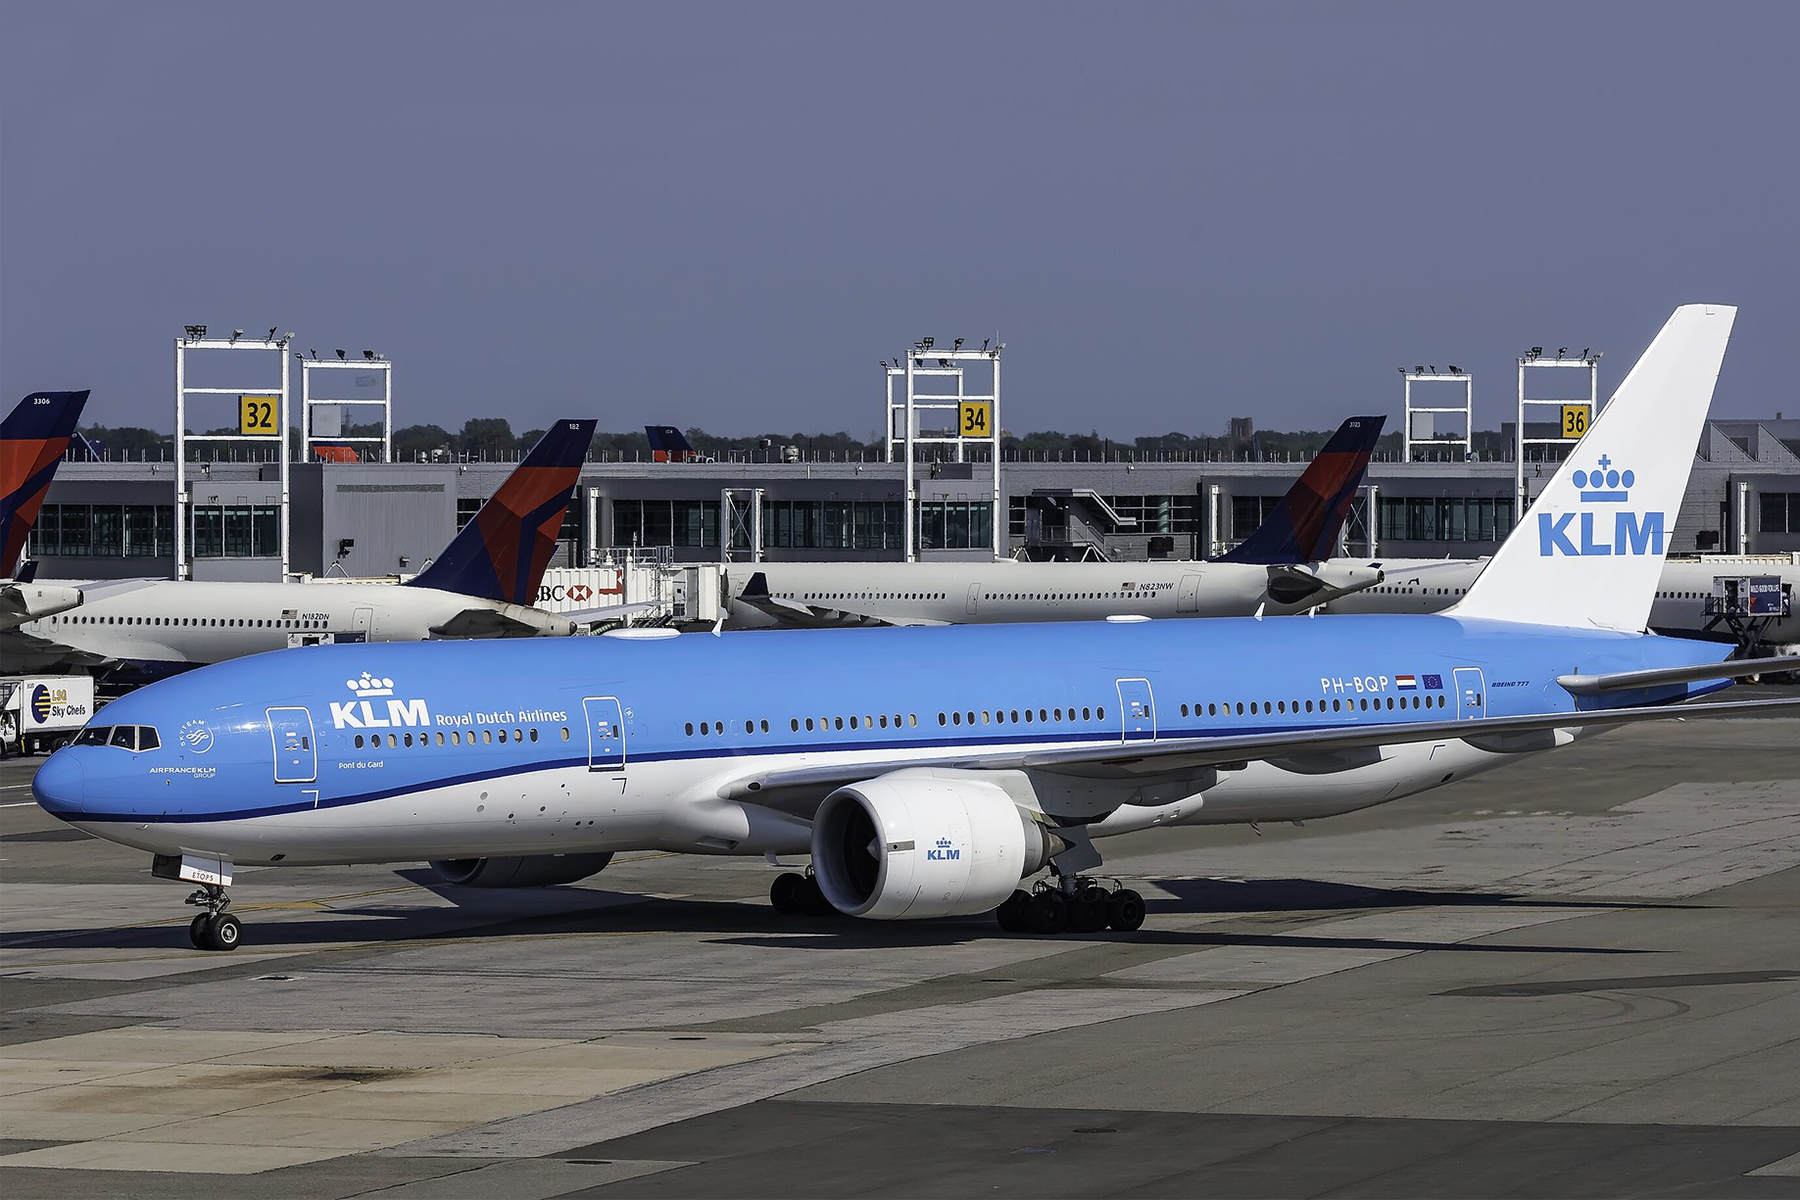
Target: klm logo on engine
x=1588, y=533
x=375, y=708
x=942, y=852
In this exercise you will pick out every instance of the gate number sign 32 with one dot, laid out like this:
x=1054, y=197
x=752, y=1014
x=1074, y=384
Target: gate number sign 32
x=256, y=416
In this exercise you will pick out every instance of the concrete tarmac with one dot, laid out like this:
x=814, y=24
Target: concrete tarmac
x=1578, y=975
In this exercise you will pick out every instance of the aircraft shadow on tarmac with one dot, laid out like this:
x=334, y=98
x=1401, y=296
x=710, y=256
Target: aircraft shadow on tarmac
x=548, y=912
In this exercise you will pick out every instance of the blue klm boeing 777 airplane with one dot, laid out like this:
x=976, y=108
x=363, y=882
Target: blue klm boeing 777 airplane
x=928, y=771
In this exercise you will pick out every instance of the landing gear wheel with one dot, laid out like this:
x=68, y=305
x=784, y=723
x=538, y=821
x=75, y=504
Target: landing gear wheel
x=1013, y=912
x=1125, y=911
x=812, y=898
x=1088, y=910
x=224, y=932
x=197, y=932
x=785, y=892
x=1048, y=913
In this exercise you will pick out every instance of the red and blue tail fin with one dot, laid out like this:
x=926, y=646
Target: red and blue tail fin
x=669, y=444
x=1304, y=527
x=503, y=552
x=32, y=440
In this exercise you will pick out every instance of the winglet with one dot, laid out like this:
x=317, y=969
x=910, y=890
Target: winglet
x=1304, y=526
x=32, y=440
x=1590, y=550
x=502, y=553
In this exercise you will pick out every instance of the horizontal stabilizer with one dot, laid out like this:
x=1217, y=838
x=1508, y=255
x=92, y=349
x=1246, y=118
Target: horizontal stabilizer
x=1620, y=681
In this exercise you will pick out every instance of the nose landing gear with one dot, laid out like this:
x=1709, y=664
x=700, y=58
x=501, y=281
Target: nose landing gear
x=214, y=929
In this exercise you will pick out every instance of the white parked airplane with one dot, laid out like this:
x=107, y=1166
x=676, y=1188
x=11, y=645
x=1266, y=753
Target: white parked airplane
x=480, y=587
x=33, y=438
x=1684, y=604
x=1275, y=570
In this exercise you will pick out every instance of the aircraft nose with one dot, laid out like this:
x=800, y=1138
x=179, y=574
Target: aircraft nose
x=60, y=786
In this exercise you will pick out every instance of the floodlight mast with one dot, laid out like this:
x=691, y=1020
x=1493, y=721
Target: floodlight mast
x=1534, y=360
x=371, y=361
x=907, y=371
x=194, y=338
x=1409, y=407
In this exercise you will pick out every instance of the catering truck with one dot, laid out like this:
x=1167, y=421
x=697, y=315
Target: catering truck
x=38, y=713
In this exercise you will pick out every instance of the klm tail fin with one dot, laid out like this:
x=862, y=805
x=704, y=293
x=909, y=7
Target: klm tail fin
x=1590, y=550
x=502, y=553
x=32, y=440
x=1304, y=527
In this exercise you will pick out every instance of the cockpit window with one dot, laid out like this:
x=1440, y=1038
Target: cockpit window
x=124, y=737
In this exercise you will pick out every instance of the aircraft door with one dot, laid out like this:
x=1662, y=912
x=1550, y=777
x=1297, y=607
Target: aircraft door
x=1471, y=694
x=291, y=736
x=974, y=597
x=363, y=628
x=1187, y=599
x=1137, y=711
x=605, y=733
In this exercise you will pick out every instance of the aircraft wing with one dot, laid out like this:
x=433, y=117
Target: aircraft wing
x=1594, y=685
x=802, y=615
x=1148, y=761
x=502, y=621
x=608, y=612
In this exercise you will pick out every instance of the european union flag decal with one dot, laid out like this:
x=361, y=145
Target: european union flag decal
x=1434, y=683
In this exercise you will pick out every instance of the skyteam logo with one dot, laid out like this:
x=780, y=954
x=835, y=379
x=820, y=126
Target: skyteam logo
x=365, y=712
x=942, y=852
x=1586, y=533
x=195, y=736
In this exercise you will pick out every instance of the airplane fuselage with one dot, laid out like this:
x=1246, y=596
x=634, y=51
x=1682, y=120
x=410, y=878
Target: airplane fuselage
x=163, y=627
x=346, y=754
x=1007, y=592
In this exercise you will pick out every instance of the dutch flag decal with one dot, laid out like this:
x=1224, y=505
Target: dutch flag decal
x=1406, y=683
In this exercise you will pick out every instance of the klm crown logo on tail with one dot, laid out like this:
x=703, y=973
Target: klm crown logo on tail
x=1588, y=533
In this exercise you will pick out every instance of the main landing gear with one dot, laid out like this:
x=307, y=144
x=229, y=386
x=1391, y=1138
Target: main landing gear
x=1078, y=905
x=799, y=895
x=214, y=929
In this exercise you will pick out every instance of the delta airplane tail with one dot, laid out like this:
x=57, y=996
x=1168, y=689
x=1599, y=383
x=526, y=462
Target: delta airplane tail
x=32, y=440
x=1304, y=527
x=1590, y=550
x=669, y=444
x=502, y=553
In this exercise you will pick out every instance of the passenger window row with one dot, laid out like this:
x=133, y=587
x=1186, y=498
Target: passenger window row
x=1352, y=704
x=455, y=737
x=201, y=622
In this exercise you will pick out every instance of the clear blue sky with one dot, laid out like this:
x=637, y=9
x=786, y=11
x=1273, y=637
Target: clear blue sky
x=723, y=215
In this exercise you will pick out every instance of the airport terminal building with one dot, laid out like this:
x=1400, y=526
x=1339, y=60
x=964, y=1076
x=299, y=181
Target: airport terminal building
x=117, y=519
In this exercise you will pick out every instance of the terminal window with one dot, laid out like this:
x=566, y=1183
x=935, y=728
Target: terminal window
x=236, y=530
x=1446, y=519
x=833, y=524
x=1781, y=512
x=104, y=531
x=956, y=524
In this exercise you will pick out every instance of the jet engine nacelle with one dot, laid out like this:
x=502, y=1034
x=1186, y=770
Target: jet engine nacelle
x=538, y=870
x=22, y=602
x=917, y=844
